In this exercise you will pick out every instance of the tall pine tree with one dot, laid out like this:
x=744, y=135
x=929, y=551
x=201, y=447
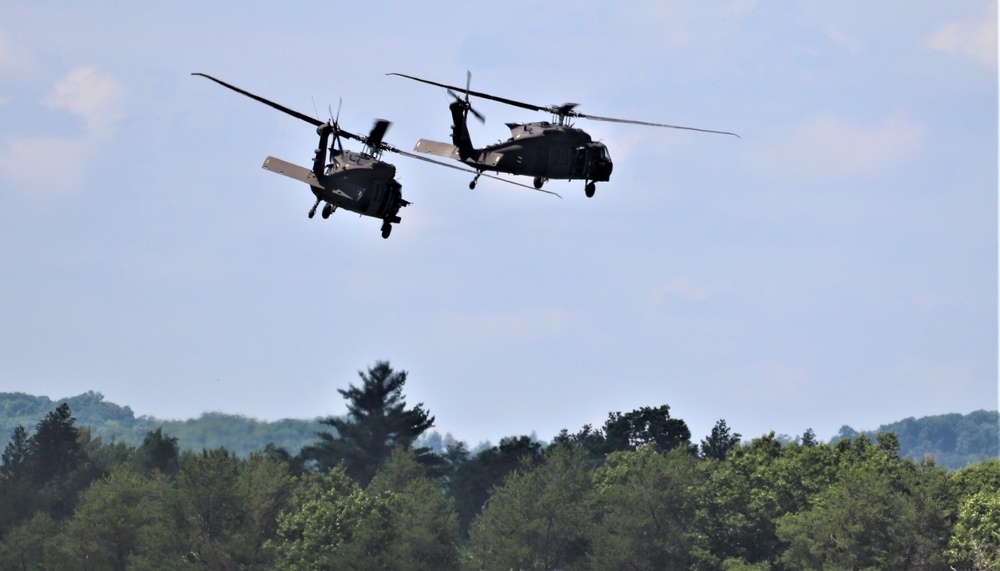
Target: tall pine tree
x=377, y=421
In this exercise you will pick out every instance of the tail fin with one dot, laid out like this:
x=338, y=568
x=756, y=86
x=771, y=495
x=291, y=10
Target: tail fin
x=460, y=131
x=319, y=159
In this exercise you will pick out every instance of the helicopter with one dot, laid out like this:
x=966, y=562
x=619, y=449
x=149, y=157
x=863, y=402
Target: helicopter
x=543, y=150
x=355, y=181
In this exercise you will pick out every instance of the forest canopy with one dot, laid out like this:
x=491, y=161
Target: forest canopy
x=636, y=492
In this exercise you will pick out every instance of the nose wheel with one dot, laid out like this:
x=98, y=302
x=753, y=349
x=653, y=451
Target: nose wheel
x=590, y=189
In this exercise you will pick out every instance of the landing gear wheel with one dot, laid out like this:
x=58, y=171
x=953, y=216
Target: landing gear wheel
x=327, y=210
x=538, y=182
x=386, y=229
x=590, y=189
x=472, y=185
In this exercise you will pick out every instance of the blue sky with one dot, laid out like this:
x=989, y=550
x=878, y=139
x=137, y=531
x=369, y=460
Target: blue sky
x=837, y=265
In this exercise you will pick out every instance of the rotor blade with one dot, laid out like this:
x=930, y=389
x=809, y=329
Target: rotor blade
x=281, y=108
x=463, y=169
x=477, y=93
x=465, y=102
x=647, y=124
x=562, y=110
x=377, y=132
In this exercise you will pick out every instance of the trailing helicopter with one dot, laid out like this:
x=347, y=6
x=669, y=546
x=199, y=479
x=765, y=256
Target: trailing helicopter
x=543, y=150
x=355, y=181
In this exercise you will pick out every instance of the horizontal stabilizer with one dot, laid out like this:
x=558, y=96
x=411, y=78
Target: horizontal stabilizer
x=298, y=173
x=440, y=149
x=292, y=171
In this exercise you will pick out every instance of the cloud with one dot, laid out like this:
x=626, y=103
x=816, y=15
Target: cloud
x=840, y=37
x=829, y=148
x=94, y=96
x=87, y=93
x=974, y=38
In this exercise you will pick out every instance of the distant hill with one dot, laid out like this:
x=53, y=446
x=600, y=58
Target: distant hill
x=954, y=440
x=239, y=434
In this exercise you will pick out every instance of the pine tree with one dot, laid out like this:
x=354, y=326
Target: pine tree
x=15, y=455
x=718, y=444
x=377, y=421
x=56, y=448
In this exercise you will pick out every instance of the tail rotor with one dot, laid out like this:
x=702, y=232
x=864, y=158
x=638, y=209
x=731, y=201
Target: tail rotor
x=466, y=104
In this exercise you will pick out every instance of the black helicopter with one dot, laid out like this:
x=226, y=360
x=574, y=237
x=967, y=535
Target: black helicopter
x=543, y=150
x=357, y=182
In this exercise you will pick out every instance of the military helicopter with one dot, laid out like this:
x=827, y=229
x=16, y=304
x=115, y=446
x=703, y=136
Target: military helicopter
x=543, y=150
x=357, y=182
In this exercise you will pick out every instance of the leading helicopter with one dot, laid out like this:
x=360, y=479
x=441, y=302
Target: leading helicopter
x=357, y=182
x=543, y=150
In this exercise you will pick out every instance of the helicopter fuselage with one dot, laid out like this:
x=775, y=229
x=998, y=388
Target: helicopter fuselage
x=541, y=150
x=546, y=150
x=359, y=183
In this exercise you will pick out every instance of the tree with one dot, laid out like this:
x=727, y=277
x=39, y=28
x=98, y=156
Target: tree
x=426, y=520
x=539, y=518
x=16, y=454
x=809, y=438
x=633, y=429
x=158, y=452
x=401, y=521
x=718, y=444
x=976, y=541
x=56, y=448
x=263, y=491
x=377, y=421
x=473, y=479
x=113, y=516
x=645, y=511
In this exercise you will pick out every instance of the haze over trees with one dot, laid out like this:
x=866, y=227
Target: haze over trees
x=634, y=493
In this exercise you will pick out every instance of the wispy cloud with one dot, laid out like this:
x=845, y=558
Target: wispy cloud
x=974, y=37
x=841, y=37
x=829, y=147
x=87, y=93
x=94, y=96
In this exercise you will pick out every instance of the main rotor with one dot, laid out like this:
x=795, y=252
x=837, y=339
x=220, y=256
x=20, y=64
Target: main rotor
x=561, y=112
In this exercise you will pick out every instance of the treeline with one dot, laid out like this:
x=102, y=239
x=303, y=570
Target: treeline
x=635, y=493
x=953, y=440
x=238, y=434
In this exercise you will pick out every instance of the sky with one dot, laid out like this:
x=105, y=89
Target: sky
x=836, y=265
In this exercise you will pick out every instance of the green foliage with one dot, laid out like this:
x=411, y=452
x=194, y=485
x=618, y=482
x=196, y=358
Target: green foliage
x=976, y=541
x=238, y=434
x=158, y=453
x=401, y=521
x=473, y=479
x=718, y=444
x=115, y=516
x=539, y=518
x=629, y=495
x=953, y=440
x=645, y=511
x=377, y=421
